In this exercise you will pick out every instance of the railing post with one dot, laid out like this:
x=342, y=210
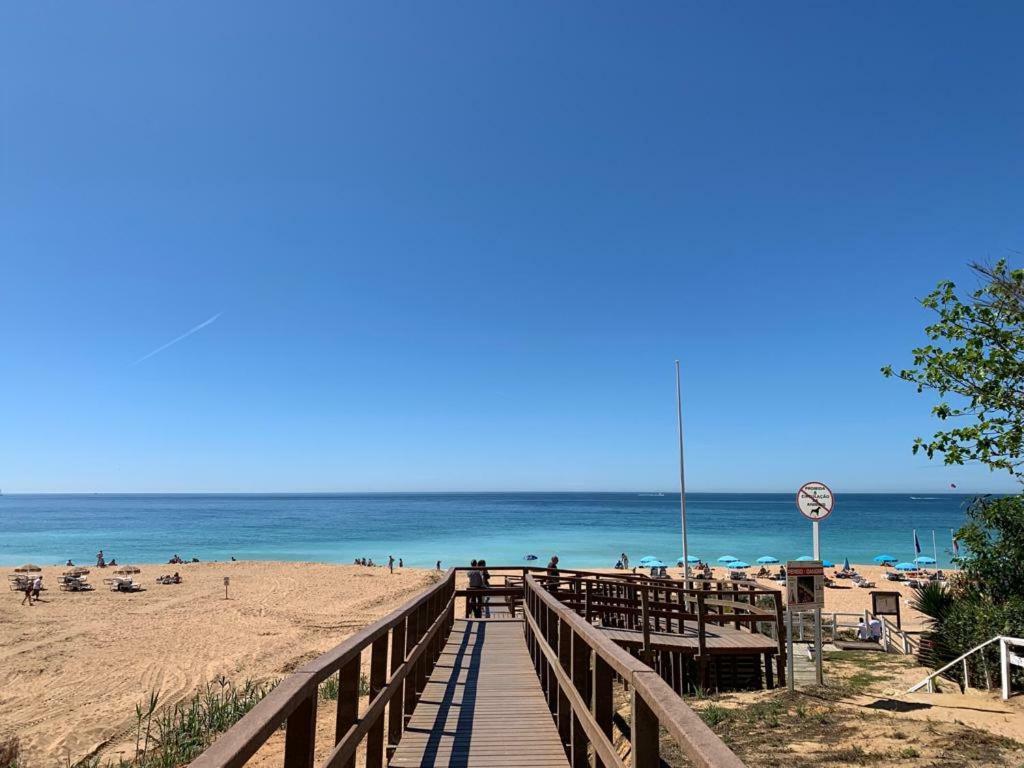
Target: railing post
x=348, y=701
x=1004, y=667
x=601, y=698
x=300, y=734
x=378, y=678
x=645, y=625
x=644, y=727
x=396, y=721
x=565, y=661
x=412, y=633
x=581, y=681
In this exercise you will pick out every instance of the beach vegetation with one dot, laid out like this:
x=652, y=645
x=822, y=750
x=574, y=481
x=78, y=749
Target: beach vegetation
x=10, y=752
x=987, y=596
x=329, y=688
x=173, y=736
x=975, y=364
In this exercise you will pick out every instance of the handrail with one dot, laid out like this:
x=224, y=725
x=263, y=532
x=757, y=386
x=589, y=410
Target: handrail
x=576, y=663
x=414, y=634
x=928, y=680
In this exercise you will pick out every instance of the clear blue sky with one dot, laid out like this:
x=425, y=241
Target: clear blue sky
x=458, y=246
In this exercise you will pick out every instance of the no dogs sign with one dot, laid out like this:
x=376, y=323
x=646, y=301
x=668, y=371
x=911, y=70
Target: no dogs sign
x=815, y=501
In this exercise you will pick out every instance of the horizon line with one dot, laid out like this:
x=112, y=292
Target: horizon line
x=943, y=492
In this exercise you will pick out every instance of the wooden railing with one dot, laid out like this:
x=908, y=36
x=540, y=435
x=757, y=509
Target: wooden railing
x=577, y=666
x=403, y=648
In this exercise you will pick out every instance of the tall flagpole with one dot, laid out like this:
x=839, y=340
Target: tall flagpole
x=935, y=550
x=682, y=480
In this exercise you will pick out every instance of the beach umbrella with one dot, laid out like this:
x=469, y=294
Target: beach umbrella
x=846, y=564
x=737, y=565
x=828, y=564
x=27, y=568
x=654, y=564
x=885, y=559
x=648, y=559
x=127, y=570
x=905, y=567
x=767, y=560
x=727, y=559
x=804, y=558
x=689, y=558
x=924, y=560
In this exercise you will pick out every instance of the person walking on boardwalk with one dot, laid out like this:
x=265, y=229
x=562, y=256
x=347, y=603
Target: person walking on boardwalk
x=553, y=573
x=485, y=576
x=391, y=564
x=476, y=581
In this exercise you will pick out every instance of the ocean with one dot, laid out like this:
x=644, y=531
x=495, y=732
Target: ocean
x=583, y=529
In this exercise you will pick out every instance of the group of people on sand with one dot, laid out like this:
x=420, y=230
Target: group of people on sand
x=32, y=590
x=368, y=561
x=101, y=561
x=175, y=579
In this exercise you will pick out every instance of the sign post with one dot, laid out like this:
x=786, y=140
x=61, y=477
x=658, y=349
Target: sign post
x=805, y=591
x=227, y=580
x=815, y=502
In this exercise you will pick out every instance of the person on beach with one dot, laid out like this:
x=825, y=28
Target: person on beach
x=391, y=564
x=37, y=587
x=400, y=563
x=69, y=564
x=28, y=594
x=100, y=562
x=625, y=561
x=439, y=565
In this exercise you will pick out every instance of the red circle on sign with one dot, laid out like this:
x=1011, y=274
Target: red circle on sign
x=827, y=510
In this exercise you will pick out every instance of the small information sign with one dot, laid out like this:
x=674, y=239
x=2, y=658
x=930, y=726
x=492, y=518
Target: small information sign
x=805, y=585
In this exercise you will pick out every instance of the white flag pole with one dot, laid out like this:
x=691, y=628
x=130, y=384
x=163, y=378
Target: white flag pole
x=682, y=479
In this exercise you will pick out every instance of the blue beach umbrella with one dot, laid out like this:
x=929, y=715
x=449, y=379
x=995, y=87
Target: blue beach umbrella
x=738, y=564
x=648, y=559
x=767, y=560
x=906, y=567
x=804, y=558
x=846, y=564
x=727, y=559
x=689, y=558
x=654, y=564
x=925, y=560
x=828, y=564
x=885, y=559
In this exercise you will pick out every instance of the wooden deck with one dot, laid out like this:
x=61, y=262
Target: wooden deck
x=720, y=640
x=482, y=706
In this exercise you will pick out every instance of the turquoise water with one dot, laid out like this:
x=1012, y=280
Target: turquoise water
x=584, y=529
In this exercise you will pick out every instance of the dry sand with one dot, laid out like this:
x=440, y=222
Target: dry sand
x=73, y=667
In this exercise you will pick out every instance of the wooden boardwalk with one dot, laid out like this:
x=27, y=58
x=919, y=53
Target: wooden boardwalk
x=483, y=706
x=719, y=640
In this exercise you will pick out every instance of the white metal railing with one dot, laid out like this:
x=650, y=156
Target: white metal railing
x=1006, y=659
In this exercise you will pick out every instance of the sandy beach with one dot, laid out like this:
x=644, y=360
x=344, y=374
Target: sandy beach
x=73, y=667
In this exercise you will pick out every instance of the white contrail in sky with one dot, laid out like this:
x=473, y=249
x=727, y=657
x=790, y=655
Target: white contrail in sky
x=172, y=342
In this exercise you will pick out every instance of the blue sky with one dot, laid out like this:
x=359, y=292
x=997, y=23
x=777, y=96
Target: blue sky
x=457, y=246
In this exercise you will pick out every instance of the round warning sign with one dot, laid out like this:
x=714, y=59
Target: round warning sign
x=815, y=501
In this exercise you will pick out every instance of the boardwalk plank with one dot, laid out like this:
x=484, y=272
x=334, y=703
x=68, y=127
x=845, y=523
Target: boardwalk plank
x=483, y=706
